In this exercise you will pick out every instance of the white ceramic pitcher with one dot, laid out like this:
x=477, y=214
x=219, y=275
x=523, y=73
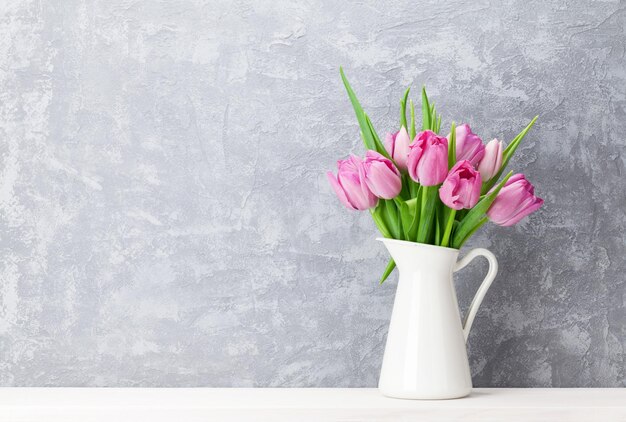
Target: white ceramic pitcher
x=425, y=356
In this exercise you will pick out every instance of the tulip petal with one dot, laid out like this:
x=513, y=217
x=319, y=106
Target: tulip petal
x=381, y=176
x=515, y=201
x=339, y=190
x=468, y=145
x=461, y=188
x=475, y=216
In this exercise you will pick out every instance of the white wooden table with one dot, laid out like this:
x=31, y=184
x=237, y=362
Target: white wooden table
x=297, y=405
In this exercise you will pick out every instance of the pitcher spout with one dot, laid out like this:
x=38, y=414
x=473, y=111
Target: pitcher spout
x=410, y=255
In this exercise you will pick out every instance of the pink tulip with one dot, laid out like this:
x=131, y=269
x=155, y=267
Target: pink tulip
x=468, y=145
x=514, y=201
x=461, y=189
x=397, y=145
x=492, y=161
x=350, y=186
x=381, y=175
x=428, y=158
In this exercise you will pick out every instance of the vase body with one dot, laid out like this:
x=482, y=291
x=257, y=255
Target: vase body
x=425, y=355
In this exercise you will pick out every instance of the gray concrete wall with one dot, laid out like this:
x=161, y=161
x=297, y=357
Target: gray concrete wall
x=165, y=218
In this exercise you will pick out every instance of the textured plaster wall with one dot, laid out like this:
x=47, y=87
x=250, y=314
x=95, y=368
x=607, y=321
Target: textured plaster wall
x=165, y=218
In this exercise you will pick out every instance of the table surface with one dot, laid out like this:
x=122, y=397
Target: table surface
x=300, y=404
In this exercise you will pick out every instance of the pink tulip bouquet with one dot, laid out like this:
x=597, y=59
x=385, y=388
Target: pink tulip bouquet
x=427, y=188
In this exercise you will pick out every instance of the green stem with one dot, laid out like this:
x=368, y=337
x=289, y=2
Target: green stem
x=425, y=198
x=452, y=147
x=413, y=187
x=446, y=234
x=427, y=213
x=405, y=193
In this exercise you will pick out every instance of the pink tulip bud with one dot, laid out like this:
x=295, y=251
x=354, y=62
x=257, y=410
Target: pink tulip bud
x=397, y=145
x=461, y=189
x=515, y=201
x=350, y=186
x=428, y=158
x=381, y=175
x=468, y=145
x=492, y=161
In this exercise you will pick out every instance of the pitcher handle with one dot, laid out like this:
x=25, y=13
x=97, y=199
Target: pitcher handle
x=484, y=286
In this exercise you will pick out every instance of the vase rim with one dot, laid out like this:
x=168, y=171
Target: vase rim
x=416, y=244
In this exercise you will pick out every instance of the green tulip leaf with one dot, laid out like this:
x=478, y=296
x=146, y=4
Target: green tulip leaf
x=368, y=139
x=478, y=226
x=416, y=216
x=391, y=218
x=403, y=108
x=380, y=223
x=409, y=214
x=510, y=149
x=405, y=216
x=378, y=145
x=507, y=154
x=433, y=117
x=425, y=110
x=390, y=266
x=412, y=203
